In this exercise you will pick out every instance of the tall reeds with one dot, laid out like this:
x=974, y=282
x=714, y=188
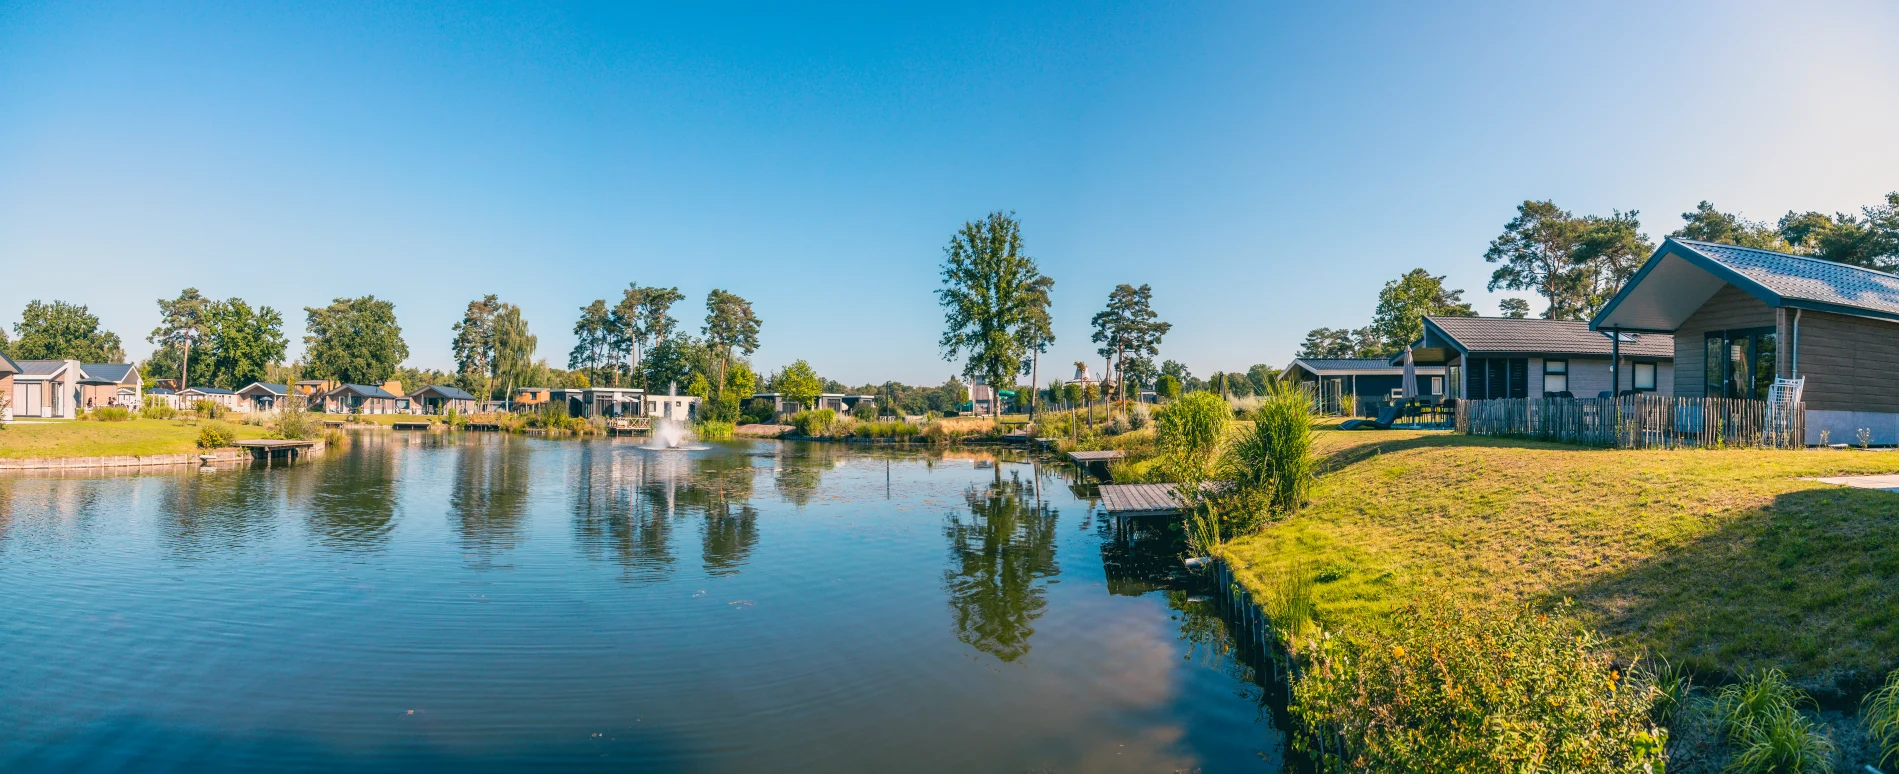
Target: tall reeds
x=1275, y=459
x=1762, y=720
x=1881, y=715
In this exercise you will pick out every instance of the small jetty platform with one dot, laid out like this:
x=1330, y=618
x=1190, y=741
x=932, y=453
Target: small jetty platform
x=411, y=425
x=333, y=424
x=490, y=426
x=1127, y=500
x=276, y=449
x=1096, y=457
x=630, y=426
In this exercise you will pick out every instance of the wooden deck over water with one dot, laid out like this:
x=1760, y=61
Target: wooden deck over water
x=1092, y=457
x=1140, y=499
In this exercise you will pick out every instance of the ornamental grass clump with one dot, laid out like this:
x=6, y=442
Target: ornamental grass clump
x=814, y=424
x=1880, y=712
x=1189, y=433
x=1275, y=459
x=1761, y=718
x=1449, y=687
x=714, y=430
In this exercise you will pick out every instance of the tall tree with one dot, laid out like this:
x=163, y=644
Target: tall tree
x=1263, y=377
x=514, y=349
x=1707, y=224
x=1037, y=333
x=799, y=383
x=4, y=343
x=593, y=338
x=240, y=343
x=1608, y=253
x=989, y=292
x=475, y=346
x=62, y=331
x=1869, y=240
x=1128, y=327
x=354, y=341
x=1406, y=301
x=1326, y=343
x=1536, y=253
x=180, y=321
x=730, y=325
x=1514, y=308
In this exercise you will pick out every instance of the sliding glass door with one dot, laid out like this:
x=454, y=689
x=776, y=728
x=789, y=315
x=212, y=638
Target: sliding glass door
x=1740, y=363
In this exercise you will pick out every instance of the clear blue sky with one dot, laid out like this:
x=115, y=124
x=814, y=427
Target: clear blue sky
x=1265, y=167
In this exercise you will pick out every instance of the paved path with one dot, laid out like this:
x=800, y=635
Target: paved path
x=1887, y=483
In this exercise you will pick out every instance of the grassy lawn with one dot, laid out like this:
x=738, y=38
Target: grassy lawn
x=1723, y=560
x=65, y=438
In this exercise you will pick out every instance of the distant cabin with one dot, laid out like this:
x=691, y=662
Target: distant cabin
x=1504, y=357
x=440, y=398
x=261, y=396
x=1368, y=379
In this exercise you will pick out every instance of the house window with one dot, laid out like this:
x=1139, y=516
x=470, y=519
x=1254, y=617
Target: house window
x=1437, y=385
x=1740, y=363
x=1455, y=374
x=1555, y=376
x=1644, y=377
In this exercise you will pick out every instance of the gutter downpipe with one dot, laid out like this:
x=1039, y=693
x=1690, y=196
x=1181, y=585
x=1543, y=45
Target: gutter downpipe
x=1796, y=343
x=1615, y=362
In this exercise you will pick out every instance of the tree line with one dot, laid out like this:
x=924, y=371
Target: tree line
x=1577, y=263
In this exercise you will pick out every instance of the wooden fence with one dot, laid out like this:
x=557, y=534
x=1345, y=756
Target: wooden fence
x=1639, y=422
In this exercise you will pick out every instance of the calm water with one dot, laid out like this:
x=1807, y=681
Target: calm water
x=500, y=603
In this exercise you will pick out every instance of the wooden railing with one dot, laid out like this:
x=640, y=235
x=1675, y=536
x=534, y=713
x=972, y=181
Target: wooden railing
x=1639, y=422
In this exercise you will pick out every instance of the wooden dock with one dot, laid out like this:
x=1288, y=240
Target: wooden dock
x=270, y=449
x=494, y=426
x=410, y=425
x=1096, y=457
x=1124, y=500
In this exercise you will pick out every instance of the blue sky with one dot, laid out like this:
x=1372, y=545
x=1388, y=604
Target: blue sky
x=1265, y=167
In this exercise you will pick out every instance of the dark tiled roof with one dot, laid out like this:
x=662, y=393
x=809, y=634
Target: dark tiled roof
x=1799, y=278
x=446, y=391
x=208, y=390
x=112, y=372
x=39, y=367
x=365, y=390
x=1480, y=335
x=1345, y=363
x=274, y=389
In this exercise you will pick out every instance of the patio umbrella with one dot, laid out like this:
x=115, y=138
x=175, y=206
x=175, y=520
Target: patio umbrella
x=1410, y=376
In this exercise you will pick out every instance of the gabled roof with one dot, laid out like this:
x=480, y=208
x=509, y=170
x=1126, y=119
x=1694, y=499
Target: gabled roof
x=110, y=372
x=207, y=391
x=40, y=367
x=445, y=391
x=8, y=366
x=273, y=389
x=1348, y=366
x=1482, y=336
x=1683, y=274
x=364, y=390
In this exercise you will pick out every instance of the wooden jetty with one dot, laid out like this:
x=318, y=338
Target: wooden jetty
x=494, y=426
x=333, y=423
x=1124, y=500
x=1096, y=457
x=411, y=425
x=276, y=449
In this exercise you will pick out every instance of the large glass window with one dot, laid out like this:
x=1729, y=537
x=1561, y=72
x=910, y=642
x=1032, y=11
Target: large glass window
x=1555, y=376
x=1741, y=363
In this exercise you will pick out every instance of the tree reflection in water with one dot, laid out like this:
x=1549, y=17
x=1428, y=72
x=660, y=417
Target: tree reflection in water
x=353, y=504
x=801, y=468
x=1000, y=555
x=489, y=499
x=625, y=503
x=203, y=516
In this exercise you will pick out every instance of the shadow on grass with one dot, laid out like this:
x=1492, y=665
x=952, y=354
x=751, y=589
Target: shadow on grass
x=1809, y=584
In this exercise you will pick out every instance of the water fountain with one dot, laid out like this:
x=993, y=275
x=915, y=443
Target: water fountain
x=670, y=434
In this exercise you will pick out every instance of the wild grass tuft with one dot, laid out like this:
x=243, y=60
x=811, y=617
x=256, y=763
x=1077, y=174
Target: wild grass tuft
x=890, y=429
x=1761, y=718
x=1880, y=713
x=713, y=430
x=110, y=414
x=1290, y=605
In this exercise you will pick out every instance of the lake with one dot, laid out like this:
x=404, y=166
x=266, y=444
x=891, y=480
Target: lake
x=498, y=603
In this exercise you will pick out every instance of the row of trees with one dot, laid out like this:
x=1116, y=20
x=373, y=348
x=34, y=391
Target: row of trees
x=1577, y=263
x=996, y=300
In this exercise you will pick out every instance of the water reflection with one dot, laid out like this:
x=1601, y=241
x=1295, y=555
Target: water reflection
x=801, y=469
x=1000, y=555
x=203, y=515
x=352, y=504
x=489, y=500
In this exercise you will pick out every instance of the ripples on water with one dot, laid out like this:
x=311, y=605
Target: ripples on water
x=498, y=603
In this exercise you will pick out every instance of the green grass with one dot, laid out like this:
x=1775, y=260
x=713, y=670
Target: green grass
x=1726, y=562
x=58, y=438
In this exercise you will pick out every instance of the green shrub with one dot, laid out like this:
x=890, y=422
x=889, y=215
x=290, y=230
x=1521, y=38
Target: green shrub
x=215, y=435
x=895, y=429
x=110, y=414
x=208, y=409
x=814, y=423
x=759, y=411
x=1881, y=715
x=864, y=412
x=713, y=430
x=552, y=416
x=1761, y=718
x=1275, y=459
x=1452, y=688
x=155, y=409
x=294, y=421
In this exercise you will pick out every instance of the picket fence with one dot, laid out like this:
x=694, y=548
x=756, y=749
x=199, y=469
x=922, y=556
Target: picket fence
x=1639, y=422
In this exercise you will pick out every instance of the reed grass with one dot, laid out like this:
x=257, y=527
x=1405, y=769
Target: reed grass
x=1880, y=713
